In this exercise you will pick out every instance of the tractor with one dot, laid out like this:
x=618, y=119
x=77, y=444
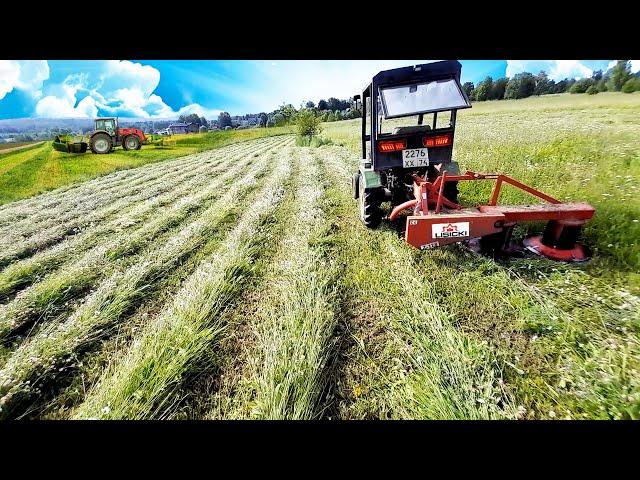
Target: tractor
x=107, y=135
x=412, y=168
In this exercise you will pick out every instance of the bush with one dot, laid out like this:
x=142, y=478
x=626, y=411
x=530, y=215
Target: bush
x=279, y=119
x=592, y=90
x=582, y=85
x=312, y=141
x=631, y=85
x=307, y=123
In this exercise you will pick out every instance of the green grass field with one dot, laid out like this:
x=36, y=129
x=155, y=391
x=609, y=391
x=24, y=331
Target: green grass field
x=35, y=170
x=239, y=283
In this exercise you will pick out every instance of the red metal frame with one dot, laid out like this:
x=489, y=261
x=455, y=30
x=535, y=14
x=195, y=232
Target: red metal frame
x=483, y=220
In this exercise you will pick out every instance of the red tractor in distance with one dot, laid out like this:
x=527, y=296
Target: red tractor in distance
x=108, y=135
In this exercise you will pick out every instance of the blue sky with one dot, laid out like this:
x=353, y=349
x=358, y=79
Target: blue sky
x=168, y=88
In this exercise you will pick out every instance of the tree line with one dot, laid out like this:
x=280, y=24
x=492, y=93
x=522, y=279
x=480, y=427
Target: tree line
x=617, y=79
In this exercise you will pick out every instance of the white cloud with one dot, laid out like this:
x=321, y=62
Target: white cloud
x=64, y=106
x=635, y=65
x=26, y=75
x=556, y=69
x=295, y=81
x=121, y=88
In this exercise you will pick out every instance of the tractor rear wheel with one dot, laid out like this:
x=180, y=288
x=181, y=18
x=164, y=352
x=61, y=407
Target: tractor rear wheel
x=101, y=143
x=131, y=142
x=369, y=203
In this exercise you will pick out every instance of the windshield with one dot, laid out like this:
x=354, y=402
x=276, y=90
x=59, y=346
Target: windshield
x=422, y=98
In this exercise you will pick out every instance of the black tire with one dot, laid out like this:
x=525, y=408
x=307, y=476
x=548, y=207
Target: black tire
x=101, y=143
x=369, y=206
x=131, y=142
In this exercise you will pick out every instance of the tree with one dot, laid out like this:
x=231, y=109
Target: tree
x=543, y=84
x=262, y=119
x=279, y=119
x=322, y=105
x=597, y=75
x=337, y=115
x=631, y=85
x=592, y=90
x=468, y=88
x=224, y=120
x=307, y=123
x=271, y=122
x=310, y=104
x=601, y=86
x=561, y=86
x=333, y=104
x=483, y=90
x=582, y=85
x=497, y=91
x=521, y=85
x=203, y=122
x=619, y=75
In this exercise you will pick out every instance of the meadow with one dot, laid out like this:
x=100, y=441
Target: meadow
x=39, y=169
x=238, y=282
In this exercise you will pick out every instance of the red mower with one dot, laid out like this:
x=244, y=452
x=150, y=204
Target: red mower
x=411, y=167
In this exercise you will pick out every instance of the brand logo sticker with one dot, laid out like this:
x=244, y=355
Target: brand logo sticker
x=450, y=230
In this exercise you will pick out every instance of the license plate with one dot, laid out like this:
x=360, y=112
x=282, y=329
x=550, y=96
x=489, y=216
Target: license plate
x=415, y=157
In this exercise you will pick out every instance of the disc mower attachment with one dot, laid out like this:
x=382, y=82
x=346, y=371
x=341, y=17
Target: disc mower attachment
x=66, y=144
x=493, y=224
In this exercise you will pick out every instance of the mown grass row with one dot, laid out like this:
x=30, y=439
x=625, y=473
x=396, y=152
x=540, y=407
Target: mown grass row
x=101, y=188
x=25, y=271
x=37, y=359
x=423, y=367
x=291, y=328
x=33, y=234
x=144, y=382
x=45, y=299
x=63, y=170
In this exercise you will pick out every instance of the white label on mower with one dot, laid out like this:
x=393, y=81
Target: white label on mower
x=450, y=230
x=415, y=157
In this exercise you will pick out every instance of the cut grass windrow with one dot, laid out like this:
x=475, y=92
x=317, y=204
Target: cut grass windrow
x=44, y=299
x=25, y=271
x=293, y=329
x=23, y=243
x=143, y=383
x=86, y=192
x=436, y=371
x=36, y=361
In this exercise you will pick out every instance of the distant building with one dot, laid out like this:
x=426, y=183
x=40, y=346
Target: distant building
x=175, y=128
x=192, y=128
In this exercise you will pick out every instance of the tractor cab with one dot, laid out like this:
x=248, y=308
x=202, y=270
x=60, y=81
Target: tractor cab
x=408, y=128
x=109, y=125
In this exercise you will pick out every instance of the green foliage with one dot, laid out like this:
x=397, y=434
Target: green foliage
x=631, y=85
x=307, y=124
x=582, y=85
x=544, y=85
x=312, y=141
x=279, y=120
x=224, y=120
x=468, y=88
x=521, y=85
x=498, y=89
x=601, y=86
x=483, y=90
x=619, y=75
x=592, y=90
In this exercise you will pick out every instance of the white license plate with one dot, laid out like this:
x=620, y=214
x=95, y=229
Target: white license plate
x=415, y=157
